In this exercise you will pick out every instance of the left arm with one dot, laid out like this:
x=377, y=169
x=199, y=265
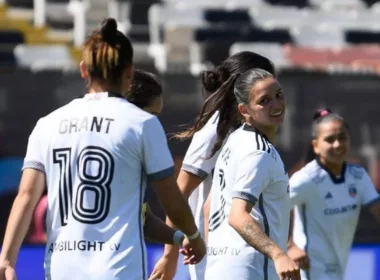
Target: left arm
x=375, y=211
x=156, y=230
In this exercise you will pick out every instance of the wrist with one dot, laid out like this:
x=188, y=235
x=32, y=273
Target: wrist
x=276, y=254
x=194, y=236
x=178, y=238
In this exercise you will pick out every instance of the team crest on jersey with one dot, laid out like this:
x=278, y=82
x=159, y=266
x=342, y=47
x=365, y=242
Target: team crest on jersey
x=352, y=190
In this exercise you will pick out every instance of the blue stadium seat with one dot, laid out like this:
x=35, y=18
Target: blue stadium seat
x=11, y=37
x=227, y=16
x=7, y=58
x=362, y=37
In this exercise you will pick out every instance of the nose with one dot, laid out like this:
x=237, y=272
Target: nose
x=337, y=144
x=277, y=104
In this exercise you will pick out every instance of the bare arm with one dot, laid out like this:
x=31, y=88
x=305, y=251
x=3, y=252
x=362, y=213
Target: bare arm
x=187, y=183
x=156, y=230
x=375, y=211
x=291, y=225
x=175, y=205
x=240, y=219
x=31, y=188
x=206, y=214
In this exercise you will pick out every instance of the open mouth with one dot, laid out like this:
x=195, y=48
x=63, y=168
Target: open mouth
x=276, y=114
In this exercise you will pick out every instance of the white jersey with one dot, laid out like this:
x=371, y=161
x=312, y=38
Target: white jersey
x=197, y=161
x=249, y=168
x=327, y=213
x=96, y=152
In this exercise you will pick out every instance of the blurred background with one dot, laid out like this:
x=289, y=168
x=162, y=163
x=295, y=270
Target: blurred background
x=327, y=53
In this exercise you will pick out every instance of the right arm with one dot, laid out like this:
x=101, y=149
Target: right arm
x=158, y=164
x=241, y=220
x=251, y=178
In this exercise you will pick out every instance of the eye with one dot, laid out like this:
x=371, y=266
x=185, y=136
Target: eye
x=264, y=101
x=280, y=94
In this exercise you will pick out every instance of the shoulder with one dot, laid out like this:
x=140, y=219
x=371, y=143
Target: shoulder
x=310, y=173
x=355, y=170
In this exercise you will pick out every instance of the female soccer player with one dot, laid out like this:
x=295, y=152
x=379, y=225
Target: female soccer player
x=94, y=154
x=195, y=177
x=328, y=193
x=146, y=93
x=250, y=205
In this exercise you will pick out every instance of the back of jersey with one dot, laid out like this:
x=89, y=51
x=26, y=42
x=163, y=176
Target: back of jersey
x=96, y=152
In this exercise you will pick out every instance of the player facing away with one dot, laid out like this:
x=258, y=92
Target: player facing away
x=146, y=93
x=250, y=205
x=328, y=194
x=195, y=177
x=94, y=155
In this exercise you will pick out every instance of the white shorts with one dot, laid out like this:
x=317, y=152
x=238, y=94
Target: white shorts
x=197, y=272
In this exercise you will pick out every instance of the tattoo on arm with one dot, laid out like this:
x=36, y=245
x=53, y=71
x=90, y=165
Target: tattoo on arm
x=251, y=232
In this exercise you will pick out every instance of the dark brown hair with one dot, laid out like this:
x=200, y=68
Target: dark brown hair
x=107, y=52
x=145, y=88
x=219, y=86
x=319, y=117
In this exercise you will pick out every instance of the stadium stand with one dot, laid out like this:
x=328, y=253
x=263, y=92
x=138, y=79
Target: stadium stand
x=182, y=37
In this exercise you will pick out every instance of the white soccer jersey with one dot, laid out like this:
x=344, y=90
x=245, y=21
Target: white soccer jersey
x=249, y=168
x=95, y=153
x=198, y=162
x=326, y=215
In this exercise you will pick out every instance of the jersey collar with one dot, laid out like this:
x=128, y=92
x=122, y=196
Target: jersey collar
x=101, y=95
x=335, y=179
x=248, y=127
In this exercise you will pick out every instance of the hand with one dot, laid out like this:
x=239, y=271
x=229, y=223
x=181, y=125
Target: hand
x=299, y=256
x=165, y=269
x=193, y=250
x=7, y=273
x=286, y=268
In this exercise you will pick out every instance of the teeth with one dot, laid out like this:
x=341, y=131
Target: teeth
x=277, y=114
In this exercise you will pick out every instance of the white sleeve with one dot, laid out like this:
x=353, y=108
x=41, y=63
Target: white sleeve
x=197, y=160
x=369, y=195
x=252, y=176
x=300, y=188
x=158, y=161
x=34, y=153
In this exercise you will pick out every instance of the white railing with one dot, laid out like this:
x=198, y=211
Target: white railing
x=39, y=13
x=79, y=11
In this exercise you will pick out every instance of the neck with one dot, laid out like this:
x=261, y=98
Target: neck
x=335, y=168
x=269, y=133
x=98, y=87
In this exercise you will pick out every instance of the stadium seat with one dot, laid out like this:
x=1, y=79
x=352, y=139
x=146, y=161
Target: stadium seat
x=11, y=37
x=7, y=58
x=362, y=37
x=271, y=50
x=238, y=16
x=27, y=56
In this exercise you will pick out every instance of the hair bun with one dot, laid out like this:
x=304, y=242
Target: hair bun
x=321, y=113
x=109, y=29
x=210, y=81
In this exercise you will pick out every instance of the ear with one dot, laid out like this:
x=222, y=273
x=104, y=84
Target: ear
x=314, y=143
x=83, y=71
x=243, y=111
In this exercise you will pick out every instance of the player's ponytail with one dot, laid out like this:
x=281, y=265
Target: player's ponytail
x=319, y=117
x=107, y=53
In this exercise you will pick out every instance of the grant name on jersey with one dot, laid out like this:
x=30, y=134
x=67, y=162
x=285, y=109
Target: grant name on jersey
x=93, y=124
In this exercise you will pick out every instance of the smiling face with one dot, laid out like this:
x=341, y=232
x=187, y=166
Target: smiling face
x=332, y=143
x=266, y=107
